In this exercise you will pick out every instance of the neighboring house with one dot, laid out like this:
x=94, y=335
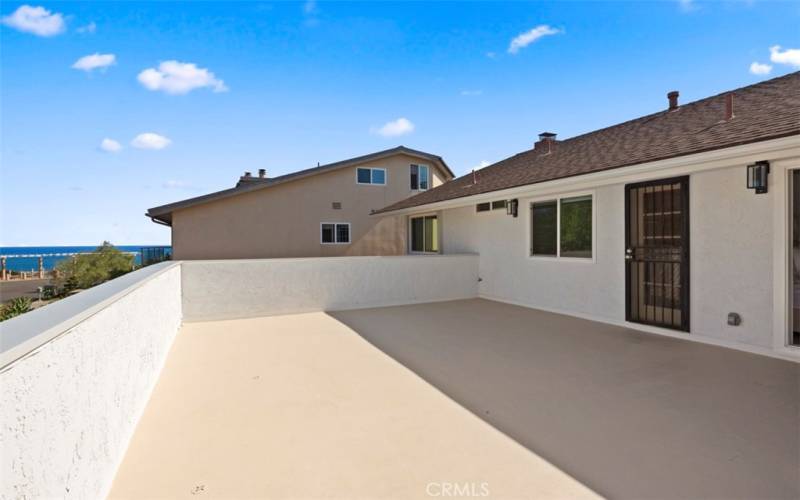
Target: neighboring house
x=685, y=220
x=321, y=211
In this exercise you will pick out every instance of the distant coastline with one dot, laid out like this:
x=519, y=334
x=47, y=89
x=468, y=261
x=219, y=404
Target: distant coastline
x=18, y=264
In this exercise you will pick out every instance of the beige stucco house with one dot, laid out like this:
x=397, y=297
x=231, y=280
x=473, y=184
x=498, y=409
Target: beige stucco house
x=321, y=211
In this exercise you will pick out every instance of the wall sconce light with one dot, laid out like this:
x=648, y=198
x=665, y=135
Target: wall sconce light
x=511, y=207
x=757, y=174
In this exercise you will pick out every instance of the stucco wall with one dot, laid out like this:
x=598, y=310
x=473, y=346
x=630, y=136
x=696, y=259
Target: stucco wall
x=248, y=288
x=284, y=220
x=731, y=258
x=70, y=407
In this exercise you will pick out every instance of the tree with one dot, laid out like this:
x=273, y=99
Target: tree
x=90, y=269
x=15, y=307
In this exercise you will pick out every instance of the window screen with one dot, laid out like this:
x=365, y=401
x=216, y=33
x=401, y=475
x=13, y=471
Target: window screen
x=483, y=207
x=342, y=233
x=576, y=227
x=498, y=205
x=378, y=176
x=414, y=177
x=543, y=228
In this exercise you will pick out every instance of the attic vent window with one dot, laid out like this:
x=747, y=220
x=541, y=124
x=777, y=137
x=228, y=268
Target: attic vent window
x=336, y=205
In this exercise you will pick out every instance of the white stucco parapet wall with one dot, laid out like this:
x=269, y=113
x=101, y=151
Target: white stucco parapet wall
x=226, y=289
x=76, y=375
x=75, y=378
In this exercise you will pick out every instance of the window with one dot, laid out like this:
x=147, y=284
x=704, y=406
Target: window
x=425, y=234
x=491, y=205
x=419, y=177
x=335, y=233
x=371, y=176
x=562, y=227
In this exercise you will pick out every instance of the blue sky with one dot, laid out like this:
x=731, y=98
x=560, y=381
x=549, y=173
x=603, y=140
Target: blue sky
x=222, y=88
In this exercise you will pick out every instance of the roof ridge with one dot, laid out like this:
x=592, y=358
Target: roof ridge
x=683, y=106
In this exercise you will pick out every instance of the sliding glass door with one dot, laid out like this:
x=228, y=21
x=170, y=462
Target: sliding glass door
x=424, y=234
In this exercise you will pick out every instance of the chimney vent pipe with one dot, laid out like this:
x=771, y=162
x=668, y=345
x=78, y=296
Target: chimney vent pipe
x=728, y=106
x=673, y=100
x=248, y=174
x=262, y=172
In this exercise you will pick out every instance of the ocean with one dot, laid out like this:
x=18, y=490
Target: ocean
x=32, y=263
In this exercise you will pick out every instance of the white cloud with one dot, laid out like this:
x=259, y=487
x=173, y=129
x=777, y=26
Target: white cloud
x=36, y=20
x=758, y=68
x=491, y=55
x=95, y=61
x=150, y=140
x=687, y=5
x=471, y=92
x=524, y=39
x=175, y=77
x=89, y=28
x=310, y=7
x=788, y=56
x=401, y=126
x=482, y=164
x=110, y=145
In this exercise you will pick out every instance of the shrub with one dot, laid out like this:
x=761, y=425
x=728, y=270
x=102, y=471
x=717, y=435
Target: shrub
x=15, y=307
x=90, y=269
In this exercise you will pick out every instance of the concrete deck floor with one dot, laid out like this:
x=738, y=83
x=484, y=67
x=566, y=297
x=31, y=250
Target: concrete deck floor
x=302, y=407
x=308, y=406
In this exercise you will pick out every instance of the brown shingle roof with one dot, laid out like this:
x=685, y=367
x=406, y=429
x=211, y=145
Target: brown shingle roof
x=163, y=213
x=766, y=110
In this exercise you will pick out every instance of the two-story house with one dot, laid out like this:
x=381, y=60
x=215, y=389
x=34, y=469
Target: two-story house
x=321, y=211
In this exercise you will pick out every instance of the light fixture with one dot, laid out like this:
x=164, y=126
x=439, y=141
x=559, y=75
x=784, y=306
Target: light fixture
x=757, y=174
x=511, y=207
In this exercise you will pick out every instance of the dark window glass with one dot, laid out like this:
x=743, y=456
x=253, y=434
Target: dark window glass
x=576, y=227
x=414, y=177
x=378, y=176
x=497, y=205
x=482, y=207
x=342, y=233
x=418, y=234
x=543, y=228
x=364, y=176
x=327, y=233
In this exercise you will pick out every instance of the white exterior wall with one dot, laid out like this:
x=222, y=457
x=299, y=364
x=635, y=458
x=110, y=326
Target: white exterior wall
x=568, y=285
x=69, y=408
x=738, y=251
x=226, y=289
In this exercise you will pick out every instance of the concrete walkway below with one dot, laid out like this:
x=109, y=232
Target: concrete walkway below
x=303, y=407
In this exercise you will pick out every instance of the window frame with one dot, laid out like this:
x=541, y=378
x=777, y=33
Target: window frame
x=492, y=209
x=370, y=183
x=336, y=233
x=438, y=231
x=428, y=177
x=557, y=198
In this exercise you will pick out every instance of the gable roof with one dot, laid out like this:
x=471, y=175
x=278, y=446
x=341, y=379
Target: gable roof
x=163, y=213
x=766, y=110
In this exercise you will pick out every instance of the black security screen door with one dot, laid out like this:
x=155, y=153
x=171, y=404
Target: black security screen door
x=657, y=253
